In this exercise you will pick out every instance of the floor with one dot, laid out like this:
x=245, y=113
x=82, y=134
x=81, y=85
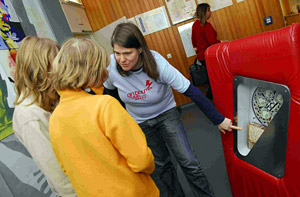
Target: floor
x=206, y=141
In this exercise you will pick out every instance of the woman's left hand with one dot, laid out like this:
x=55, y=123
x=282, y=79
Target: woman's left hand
x=226, y=125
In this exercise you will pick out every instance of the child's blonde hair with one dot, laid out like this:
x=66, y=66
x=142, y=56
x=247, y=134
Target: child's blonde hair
x=32, y=76
x=81, y=63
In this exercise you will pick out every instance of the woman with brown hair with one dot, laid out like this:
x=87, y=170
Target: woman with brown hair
x=144, y=79
x=36, y=99
x=203, y=36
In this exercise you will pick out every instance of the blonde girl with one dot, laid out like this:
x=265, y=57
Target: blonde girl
x=100, y=147
x=35, y=100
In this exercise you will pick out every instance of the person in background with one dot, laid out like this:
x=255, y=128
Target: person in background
x=35, y=100
x=203, y=36
x=144, y=79
x=98, y=144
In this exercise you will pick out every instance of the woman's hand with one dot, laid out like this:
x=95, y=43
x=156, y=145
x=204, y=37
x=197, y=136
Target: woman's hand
x=226, y=125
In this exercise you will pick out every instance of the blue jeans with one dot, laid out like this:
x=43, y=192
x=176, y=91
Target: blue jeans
x=167, y=130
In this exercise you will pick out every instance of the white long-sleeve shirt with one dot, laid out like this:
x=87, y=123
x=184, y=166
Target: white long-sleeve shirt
x=30, y=124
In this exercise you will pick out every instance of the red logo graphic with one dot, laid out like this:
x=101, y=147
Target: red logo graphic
x=140, y=94
x=148, y=84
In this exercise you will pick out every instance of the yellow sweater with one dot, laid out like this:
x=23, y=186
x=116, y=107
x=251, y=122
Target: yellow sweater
x=100, y=147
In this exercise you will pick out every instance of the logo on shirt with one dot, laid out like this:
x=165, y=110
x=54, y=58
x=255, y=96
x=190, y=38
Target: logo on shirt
x=140, y=94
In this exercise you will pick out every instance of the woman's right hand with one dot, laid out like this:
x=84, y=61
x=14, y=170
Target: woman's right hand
x=226, y=125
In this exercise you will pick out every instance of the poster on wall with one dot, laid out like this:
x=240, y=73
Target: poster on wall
x=7, y=97
x=13, y=17
x=185, y=32
x=7, y=63
x=132, y=20
x=103, y=35
x=216, y=4
x=11, y=35
x=10, y=28
x=181, y=10
x=153, y=20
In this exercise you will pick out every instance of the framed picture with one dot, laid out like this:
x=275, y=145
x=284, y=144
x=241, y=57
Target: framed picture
x=181, y=10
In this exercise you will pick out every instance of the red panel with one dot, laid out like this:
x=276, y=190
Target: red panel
x=271, y=56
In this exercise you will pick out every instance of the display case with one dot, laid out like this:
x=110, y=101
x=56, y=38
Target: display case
x=261, y=108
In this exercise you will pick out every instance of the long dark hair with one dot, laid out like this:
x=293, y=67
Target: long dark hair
x=201, y=10
x=128, y=35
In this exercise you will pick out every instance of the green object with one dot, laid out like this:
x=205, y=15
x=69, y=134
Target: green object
x=6, y=112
